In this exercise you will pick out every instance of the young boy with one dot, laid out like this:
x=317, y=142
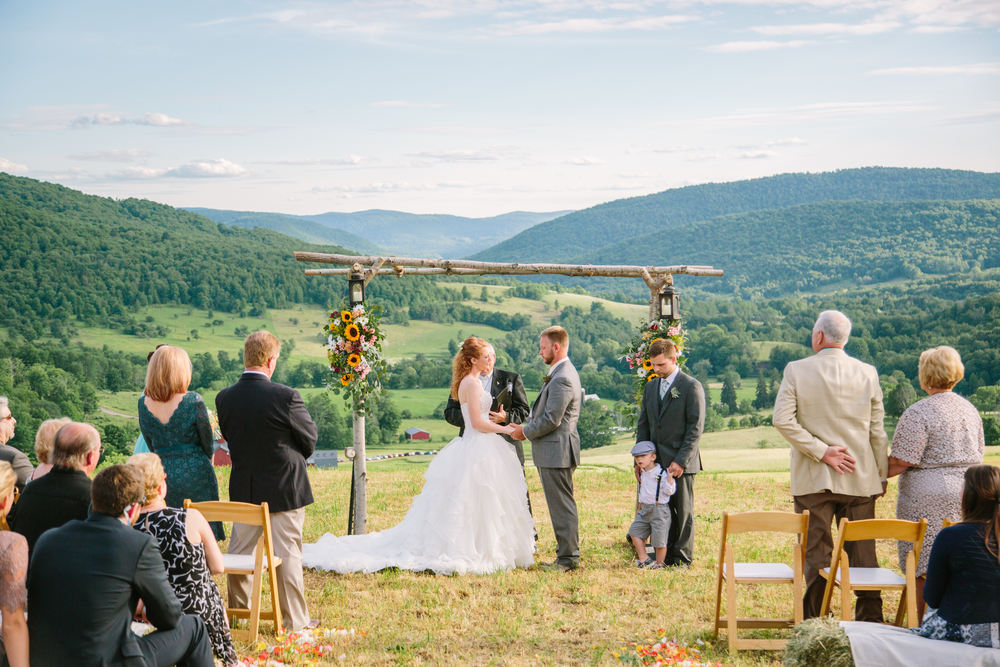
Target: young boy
x=652, y=510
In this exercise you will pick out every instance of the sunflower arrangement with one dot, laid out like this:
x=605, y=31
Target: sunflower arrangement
x=354, y=349
x=636, y=353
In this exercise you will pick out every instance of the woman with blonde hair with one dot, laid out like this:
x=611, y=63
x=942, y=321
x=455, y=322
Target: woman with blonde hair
x=190, y=554
x=936, y=440
x=45, y=438
x=472, y=514
x=13, y=576
x=176, y=427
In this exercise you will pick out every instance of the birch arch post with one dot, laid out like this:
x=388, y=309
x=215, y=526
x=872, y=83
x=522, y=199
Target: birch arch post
x=657, y=278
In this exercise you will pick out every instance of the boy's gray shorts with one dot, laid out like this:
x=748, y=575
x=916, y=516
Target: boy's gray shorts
x=652, y=520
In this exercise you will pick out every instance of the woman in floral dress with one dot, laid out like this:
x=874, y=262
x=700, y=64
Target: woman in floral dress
x=936, y=440
x=190, y=554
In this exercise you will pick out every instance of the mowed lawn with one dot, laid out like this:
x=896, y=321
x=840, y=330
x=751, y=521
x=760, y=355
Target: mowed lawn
x=530, y=617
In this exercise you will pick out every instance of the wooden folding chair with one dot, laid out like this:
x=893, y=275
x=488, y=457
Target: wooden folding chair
x=875, y=578
x=759, y=573
x=948, y=523
x=248, y=564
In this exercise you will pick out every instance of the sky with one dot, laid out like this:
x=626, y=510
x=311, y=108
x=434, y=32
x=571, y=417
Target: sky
x=481, y=107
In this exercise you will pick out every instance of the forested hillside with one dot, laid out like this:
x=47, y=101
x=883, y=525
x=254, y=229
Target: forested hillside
x=586, y=231
x=805, y=248
x=297, y=228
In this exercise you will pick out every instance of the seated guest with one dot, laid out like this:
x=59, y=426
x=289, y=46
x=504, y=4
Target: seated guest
x=12, y=455
x=44, y=440
x=963, y=579
x=190, y=554
x=64, y=493
x=13, y=570
x=87, y=578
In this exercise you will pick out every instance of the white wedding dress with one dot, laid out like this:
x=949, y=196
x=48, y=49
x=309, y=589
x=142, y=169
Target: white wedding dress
x=471, y=516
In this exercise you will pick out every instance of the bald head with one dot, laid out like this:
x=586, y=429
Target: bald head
x=77, y=446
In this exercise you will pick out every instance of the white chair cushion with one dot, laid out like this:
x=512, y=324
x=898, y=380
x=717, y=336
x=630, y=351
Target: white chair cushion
x=872, y=576
x=238, y=561
x=761, y=571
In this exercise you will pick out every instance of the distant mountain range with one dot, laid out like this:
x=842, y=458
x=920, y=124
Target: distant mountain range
x=627, y=228
x=378, y=231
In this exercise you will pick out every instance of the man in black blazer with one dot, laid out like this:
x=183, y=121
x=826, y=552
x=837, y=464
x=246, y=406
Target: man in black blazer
x=86, y=579
x=270, y=436
x=64, y=493
x=672, y=415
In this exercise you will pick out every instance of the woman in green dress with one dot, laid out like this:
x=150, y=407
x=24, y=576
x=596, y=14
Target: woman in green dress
x=176, y=427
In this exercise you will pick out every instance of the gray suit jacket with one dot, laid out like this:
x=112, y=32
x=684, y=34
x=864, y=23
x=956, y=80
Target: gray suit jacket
x=674, y=425
x=551, y=426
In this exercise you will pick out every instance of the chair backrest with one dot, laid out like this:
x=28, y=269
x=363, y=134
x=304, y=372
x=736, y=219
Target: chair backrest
x=765, y=522
x=948, y=523
x=885, y=529
x=218, y=510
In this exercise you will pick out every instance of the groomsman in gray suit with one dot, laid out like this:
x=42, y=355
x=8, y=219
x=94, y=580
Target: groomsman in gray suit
x=555, y=444
x=672, y=415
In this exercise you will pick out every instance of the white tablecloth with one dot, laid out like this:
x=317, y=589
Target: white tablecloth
x=875, y=645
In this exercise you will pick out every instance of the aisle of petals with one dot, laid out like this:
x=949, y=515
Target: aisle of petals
x=306, y=647
x=664, y=653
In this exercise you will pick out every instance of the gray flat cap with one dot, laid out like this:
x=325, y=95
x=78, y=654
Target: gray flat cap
x=644, y=447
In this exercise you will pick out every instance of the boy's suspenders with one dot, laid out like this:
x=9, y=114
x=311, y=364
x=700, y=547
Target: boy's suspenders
x=656, y=498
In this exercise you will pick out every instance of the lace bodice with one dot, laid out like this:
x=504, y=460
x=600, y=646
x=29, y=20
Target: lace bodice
x=485, y=401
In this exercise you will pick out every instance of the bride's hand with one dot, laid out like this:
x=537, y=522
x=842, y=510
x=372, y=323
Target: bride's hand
x=508, y=429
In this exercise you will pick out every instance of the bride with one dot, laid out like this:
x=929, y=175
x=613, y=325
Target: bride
x=472, y=514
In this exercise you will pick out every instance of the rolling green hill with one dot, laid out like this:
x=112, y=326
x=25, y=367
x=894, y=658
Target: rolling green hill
x=586, y=231
x=809, y=247
x=298, y=228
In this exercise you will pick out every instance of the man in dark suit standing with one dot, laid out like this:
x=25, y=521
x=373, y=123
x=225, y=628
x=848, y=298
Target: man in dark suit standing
x=672, y=415
x=270, y=436
x=86, y=579
x=514, y=410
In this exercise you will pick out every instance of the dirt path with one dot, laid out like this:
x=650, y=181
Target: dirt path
x=116, y=414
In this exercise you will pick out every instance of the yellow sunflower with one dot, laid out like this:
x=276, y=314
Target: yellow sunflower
x=346, y=379
x=346, y=317
x=651, y=376
x=647, y=364
x=354, y=360
x=352, y=332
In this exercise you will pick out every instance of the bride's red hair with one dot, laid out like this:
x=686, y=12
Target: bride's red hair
x=473, y=348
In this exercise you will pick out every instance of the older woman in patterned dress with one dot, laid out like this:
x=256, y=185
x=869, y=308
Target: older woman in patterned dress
x=936, y=440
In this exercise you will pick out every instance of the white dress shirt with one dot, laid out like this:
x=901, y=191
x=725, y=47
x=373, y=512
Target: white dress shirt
x=647, y=486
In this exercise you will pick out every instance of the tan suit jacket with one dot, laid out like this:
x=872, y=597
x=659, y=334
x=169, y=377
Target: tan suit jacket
x=833, y=399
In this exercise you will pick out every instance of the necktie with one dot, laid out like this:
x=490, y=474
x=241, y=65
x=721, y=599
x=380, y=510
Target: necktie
x=663, y=388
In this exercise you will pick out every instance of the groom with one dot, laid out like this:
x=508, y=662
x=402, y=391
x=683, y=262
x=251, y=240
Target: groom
x=555, y=444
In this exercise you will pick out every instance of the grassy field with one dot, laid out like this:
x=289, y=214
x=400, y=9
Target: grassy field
x=530, y=617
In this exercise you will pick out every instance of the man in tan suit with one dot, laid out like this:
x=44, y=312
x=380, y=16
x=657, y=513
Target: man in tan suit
x=830, y=409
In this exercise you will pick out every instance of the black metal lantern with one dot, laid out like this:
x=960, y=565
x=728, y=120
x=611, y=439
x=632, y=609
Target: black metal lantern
x=356, y=289
x=670, y=304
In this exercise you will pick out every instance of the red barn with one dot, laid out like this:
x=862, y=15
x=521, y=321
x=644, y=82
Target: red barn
x=417, y=434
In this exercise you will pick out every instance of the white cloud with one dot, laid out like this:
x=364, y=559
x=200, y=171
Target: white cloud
x=936, y=29
x=791, y=141
x=12, y=167
x=872, y=28
x=743, y=47
x=408, y=105
x=703, y=157
x=979, y=68
x=382, y=187
x=814, y=112
x=756, y=155
x=151, y=119
x=637, y=174
x=585, y=161
x=593, y=25
x=199, y=169
x=113, y=155
x=672, y=149
x=160, y=120
x=485, y=155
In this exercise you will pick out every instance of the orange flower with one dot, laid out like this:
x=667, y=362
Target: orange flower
x=346, y=317
x=647, y=364
x=352, y=332
x=347, y=379
x=354, y=360
x=651, y=376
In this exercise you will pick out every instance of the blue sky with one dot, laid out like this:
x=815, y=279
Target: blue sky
x=479, y=107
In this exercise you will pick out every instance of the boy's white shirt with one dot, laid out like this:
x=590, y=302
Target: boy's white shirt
x=647, y=486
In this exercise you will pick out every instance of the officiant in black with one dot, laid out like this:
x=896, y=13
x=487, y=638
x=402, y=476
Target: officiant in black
x=513, y=406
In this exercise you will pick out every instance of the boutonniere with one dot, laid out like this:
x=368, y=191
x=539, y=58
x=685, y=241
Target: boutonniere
x=545, y=380
x=674, y=393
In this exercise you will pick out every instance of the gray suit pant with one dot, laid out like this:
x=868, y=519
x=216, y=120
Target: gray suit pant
x=286, y=534
x=557, y=483
x=680, y=544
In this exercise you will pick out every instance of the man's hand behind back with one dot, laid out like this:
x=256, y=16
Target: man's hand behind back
x=838, y=459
